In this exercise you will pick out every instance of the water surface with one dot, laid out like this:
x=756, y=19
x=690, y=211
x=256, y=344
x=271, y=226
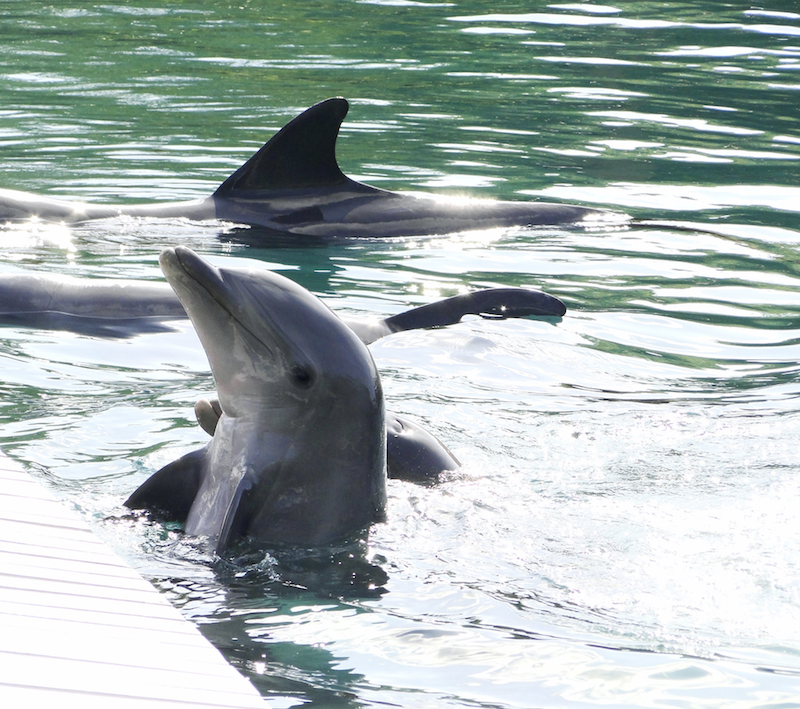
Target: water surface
x=624, y=529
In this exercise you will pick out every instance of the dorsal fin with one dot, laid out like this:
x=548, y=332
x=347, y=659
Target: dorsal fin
x=301, y=154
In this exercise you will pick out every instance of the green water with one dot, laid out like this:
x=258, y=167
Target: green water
x=624, y=532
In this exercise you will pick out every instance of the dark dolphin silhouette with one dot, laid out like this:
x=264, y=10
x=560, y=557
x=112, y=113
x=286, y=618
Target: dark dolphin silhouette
x=293, y=185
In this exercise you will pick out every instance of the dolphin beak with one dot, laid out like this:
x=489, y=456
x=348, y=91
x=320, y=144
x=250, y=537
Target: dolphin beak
x=180, y=260
x=183, y=266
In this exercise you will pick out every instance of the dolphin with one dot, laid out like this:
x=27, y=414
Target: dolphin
x=293, y=185
x=298, y=455
x=299, y=447
x=110, y=307
x=102, y=307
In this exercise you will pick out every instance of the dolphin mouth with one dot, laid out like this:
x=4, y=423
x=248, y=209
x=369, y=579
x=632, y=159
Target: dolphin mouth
x=181, y=262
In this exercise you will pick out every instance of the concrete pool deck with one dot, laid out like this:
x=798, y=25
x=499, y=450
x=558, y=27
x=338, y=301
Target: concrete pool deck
x=79, y=627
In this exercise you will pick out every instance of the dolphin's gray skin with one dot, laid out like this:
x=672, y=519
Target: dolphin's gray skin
x=299, y=453
x=117, y=308
x=412, y=453
x=293, y=185
x=102, y=307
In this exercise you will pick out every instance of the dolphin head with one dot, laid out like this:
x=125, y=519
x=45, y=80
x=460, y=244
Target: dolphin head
x=268, y=340
x=299, y=453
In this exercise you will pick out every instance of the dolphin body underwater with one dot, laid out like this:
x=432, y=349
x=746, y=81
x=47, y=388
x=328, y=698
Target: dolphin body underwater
x=293, y=185
x=300, y=438
x=109, y=307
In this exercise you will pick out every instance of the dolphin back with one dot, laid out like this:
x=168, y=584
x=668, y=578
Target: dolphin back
x=414, y=454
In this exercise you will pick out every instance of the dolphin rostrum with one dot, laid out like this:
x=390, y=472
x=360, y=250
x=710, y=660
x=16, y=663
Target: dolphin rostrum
x=299, y=447
x=293, y=185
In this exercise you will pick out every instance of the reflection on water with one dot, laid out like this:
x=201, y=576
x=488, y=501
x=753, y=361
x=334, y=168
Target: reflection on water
x=623, y=531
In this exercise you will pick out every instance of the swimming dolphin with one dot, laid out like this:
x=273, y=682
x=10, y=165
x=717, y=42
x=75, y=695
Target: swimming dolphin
x=293, y=185
x=102, y=307
x=109, y=307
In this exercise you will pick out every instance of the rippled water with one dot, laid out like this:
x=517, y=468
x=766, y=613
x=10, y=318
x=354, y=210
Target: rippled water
x=624, y=531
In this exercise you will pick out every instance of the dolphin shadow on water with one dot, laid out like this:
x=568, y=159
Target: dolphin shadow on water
x=293, y=186
x=301, y=443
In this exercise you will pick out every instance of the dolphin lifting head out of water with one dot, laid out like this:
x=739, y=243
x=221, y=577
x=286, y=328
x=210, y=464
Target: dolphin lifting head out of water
x=300, y=442
x=299, y=451
x=293, y=185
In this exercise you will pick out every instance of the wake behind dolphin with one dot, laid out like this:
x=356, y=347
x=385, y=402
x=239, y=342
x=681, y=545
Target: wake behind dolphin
x=293, y=185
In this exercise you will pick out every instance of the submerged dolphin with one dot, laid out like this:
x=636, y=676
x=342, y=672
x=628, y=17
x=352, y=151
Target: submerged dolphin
x=117, y=308
x=293, y=185
x=299, y=446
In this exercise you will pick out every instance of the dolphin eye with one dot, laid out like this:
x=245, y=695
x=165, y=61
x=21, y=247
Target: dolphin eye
x=302, y=376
